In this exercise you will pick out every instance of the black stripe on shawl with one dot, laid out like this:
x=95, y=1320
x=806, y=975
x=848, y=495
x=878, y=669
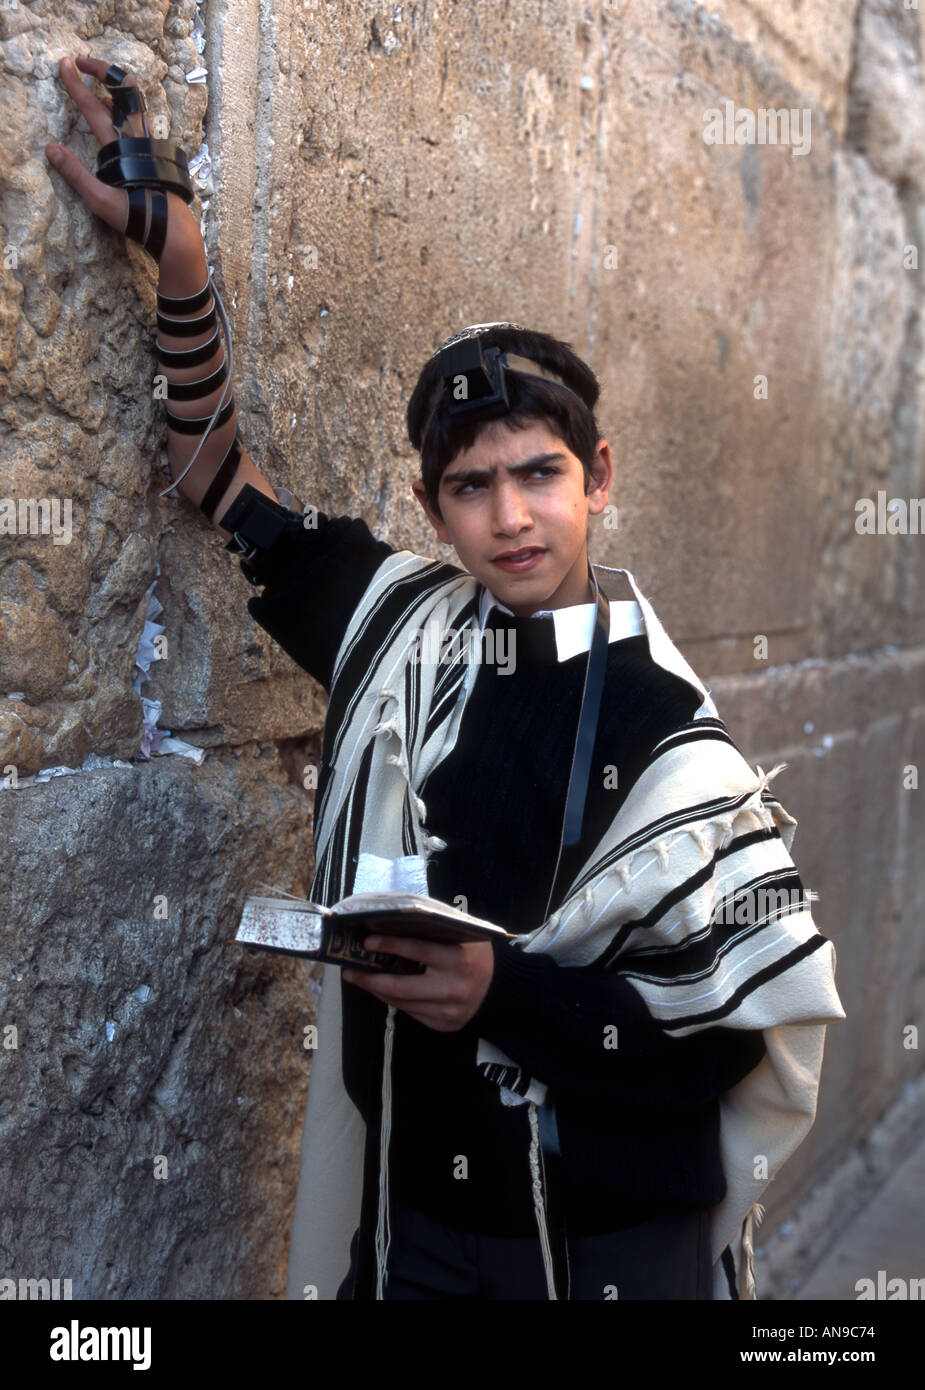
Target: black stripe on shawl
x=374, y=637
x=785, y=877
x=692, y=731
x=442, y=705
x=412, y=696
x=451, y=655
x=412, y=699
x=359, y=660
x=806, y=948
x=331, y=873
x=702, y=811
x=511, y=1077
x=700, y=955
x=408, y=846
x=450, y=677
x=683, y=890
x=703, y=874
x=354, y=826
x=324, y=778
x=729, y=1269
x=321, y=883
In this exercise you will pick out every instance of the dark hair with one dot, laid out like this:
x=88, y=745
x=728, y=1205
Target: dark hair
x=531, y=398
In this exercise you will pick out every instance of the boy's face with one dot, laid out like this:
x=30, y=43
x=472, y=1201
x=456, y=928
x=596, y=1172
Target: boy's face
x=522, y=491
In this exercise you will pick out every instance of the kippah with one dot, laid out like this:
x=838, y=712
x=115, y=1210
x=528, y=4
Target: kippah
x=473, y=331
x=515, y=362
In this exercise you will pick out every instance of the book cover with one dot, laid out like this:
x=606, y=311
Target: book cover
x=293, y=926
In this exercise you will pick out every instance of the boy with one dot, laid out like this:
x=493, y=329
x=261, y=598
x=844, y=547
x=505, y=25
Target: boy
x=461, y=1195
x=580, y=1114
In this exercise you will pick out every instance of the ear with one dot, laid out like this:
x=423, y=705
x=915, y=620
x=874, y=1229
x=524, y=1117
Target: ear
x=436, y=522
x=600, y=479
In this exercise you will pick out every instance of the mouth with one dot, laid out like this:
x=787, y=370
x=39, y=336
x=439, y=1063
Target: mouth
x=523, y=559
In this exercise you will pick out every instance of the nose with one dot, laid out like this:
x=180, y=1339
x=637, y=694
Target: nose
x=510, y=513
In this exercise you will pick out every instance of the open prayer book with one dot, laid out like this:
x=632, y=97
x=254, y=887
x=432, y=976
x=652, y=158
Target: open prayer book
x=335, y=934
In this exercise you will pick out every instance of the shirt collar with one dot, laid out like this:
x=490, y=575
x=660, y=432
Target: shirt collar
x=628, y=618
x=575, y=623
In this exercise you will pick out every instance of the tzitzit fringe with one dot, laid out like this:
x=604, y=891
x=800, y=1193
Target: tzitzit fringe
x=383, y=1228
x=749, y=1289
x=538, y=1201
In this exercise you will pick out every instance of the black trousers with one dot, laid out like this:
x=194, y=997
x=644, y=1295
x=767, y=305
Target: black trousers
x=667, y=1257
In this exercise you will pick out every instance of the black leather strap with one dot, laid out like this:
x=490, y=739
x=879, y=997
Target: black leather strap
x=147, y=168
x=147, y=219
x=192, y=390
x=223, y=477
x=187, y=357
x=139, y=215
x=142, y=161
x=186, y=304
x=255, y=521
x=157, y=238
x=572, y=820
x=585, y=735
x=186, y=328
x=587, y=723
x=125, y=99
x=199, y=423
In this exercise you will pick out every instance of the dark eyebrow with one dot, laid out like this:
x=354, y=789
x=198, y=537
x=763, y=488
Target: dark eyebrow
x=477, y=475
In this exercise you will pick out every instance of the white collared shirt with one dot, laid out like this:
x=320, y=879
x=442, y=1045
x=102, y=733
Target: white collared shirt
x=574, y=626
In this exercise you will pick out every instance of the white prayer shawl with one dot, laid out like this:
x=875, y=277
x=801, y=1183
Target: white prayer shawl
x=697, y=818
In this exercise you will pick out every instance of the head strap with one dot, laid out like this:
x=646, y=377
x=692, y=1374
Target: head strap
x=473, y=385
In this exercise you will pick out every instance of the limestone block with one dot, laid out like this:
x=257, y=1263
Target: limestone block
x=887, y=102
x=716, y=302
x=810, y=46
x=849, y=733
x=77, y=414
x=866, y=387
x=151, y=1107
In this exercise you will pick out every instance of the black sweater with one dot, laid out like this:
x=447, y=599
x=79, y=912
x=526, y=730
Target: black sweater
x=638, y=1124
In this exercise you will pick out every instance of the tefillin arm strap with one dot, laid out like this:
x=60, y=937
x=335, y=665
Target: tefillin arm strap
x=586, y=733
x=572, y=821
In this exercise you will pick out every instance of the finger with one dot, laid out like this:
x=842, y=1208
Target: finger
x=399, y=989
x=98, y=116
x=432, y=1017
x=436, y=953
x=363, y=980
x=110, y=204
x=133, y=123
x=374, y=982
x=89, y=106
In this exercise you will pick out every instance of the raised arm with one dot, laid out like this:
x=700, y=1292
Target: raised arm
x=195, y=366
x=313, y=569
x=191, y=357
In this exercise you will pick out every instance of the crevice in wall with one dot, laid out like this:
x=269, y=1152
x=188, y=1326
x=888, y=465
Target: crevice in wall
x=857, y=109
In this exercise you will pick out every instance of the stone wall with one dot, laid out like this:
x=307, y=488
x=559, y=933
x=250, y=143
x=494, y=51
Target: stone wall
x=373, y=177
